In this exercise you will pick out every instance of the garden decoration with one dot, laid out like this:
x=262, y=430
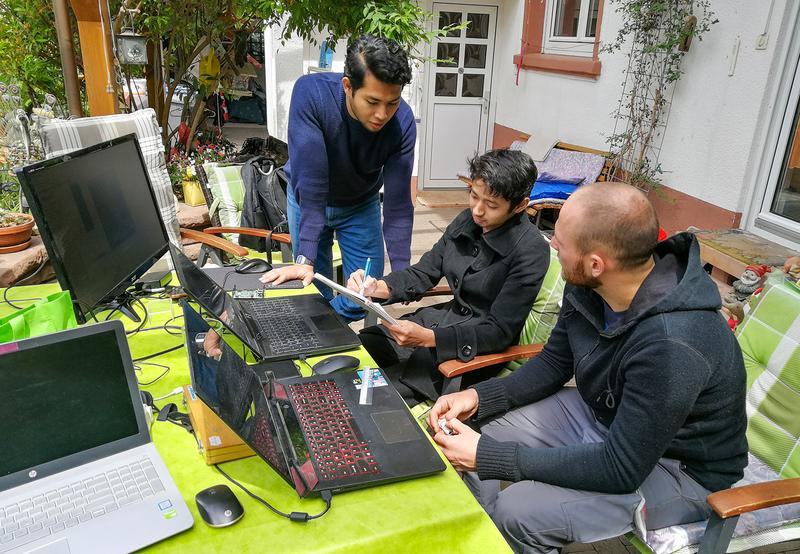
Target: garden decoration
x=750, y=281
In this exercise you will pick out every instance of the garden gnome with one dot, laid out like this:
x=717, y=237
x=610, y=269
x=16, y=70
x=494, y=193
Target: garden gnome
x=743, y=287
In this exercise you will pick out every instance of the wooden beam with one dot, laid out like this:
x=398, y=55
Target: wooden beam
x=67, y=52
x=94, y=30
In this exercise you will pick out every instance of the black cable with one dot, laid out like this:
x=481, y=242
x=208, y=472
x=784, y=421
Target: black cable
x=297, y=517
x=302, y=358
x=167, y=351
x=157, y=379
x=5, y=292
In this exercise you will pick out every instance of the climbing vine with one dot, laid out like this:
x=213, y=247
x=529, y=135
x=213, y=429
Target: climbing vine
x=660, y=33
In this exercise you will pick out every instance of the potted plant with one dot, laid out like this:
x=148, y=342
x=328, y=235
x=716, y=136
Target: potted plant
x=15, y=231
x=208, y=147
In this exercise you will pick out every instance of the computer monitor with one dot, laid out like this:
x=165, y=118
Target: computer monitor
x=98, y=218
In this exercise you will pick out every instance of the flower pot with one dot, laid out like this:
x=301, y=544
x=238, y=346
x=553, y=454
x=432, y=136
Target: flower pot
x=193, y=194
x=16, y=237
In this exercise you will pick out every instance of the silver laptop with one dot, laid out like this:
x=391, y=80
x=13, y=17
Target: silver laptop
x=78, y=470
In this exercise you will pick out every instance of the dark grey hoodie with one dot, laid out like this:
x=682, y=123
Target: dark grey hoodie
x=669, y=381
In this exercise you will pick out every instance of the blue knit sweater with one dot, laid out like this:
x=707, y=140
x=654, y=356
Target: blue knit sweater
x=335, y=161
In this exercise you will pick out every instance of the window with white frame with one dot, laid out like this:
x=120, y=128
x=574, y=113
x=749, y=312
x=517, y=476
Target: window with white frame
x=570, y=27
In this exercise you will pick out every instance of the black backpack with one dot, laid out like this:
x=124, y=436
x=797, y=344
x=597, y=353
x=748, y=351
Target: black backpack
x=264, y=201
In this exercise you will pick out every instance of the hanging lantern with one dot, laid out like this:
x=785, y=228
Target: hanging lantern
x=131, y=48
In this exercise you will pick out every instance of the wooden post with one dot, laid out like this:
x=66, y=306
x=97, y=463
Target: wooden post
x=94, y=29
x=153, y=72
x=64, y=33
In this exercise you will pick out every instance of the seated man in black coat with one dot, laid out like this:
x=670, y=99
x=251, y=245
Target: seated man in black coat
x=494, y=260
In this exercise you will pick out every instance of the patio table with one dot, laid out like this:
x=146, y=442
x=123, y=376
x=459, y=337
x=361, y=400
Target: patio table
x=429, y=514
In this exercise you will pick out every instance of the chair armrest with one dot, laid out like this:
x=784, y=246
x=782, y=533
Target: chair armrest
x=740, y=500
x=439, y=290
x=452, y=368
x=215, y=242
x=277, y=237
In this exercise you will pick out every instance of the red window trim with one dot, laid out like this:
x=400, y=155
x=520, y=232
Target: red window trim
x=532, y=57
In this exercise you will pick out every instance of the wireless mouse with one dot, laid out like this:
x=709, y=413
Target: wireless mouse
x=253, y=265
x=335, y=363
x=218, y=506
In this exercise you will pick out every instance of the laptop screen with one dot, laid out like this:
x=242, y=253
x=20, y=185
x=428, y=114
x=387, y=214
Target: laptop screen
x=64, y=394
x=210, y=295
x=234, y=392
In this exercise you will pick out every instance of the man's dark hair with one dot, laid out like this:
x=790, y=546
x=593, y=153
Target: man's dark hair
x=382, y=57
x=509, y=174
x=621, y=220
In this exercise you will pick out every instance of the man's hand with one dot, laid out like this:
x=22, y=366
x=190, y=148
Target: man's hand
x=460, y=405
x=461, y=448
x=356, y=281
x=408, y=333
x=211, y=345
x=289, y=272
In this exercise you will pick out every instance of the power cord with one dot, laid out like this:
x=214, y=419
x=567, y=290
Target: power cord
x=167, y=351
x=157, y=379
x=5, y=292
x=302, y=358
x=297, y=517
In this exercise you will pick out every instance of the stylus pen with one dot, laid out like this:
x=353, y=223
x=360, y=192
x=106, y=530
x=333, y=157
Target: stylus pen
x=366, y=275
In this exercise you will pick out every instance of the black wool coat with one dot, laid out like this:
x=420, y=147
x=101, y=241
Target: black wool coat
x=495, y=278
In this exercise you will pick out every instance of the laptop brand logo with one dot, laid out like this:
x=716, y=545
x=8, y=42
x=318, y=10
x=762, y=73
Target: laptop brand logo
x=32, y=474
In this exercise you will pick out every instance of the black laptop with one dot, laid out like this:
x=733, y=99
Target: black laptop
x=313, y=431
x=273, y=328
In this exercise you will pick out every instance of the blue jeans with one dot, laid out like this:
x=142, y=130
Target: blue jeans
x=360, y=235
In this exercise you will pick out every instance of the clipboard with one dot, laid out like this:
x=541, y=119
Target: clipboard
x=362, y=301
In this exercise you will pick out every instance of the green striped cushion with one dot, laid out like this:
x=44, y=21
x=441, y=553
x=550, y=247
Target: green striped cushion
x=227, y=189
x=770, y=340
x=544, y=313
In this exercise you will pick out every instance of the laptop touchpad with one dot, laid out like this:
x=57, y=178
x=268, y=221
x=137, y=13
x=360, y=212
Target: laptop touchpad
x=395, y=426
x=60, y=546
x=325, y=322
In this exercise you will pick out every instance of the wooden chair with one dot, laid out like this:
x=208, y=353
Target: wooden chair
x=535, y=211
x=224, y=199
x=223, y=190
x=770, y=343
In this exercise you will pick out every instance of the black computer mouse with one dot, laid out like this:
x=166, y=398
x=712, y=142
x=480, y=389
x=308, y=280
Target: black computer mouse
x=335, y=363
x=218, y=506
x=253, y=265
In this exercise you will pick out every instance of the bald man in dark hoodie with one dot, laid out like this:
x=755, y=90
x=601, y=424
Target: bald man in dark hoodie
x=657, y=420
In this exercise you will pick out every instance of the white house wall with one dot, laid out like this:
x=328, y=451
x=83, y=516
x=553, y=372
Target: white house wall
x=715, y=116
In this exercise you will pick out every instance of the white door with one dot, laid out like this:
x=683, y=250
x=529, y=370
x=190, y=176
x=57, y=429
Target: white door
x=458, y=93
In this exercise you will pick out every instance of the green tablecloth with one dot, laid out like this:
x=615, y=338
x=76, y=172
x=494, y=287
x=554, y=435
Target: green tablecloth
x=430, y=514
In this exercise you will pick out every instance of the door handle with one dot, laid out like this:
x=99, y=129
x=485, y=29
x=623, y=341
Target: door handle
x=486, y=104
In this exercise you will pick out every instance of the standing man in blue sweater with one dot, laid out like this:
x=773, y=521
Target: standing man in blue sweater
x=350, y=135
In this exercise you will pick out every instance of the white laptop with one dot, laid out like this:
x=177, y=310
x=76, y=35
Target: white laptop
x=78, y=470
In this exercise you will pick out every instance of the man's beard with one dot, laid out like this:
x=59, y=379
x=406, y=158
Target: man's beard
x=577, y=276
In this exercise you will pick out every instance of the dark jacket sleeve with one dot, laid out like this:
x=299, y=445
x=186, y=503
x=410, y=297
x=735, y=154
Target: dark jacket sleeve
x=537, y=379
x=653, y=407
x=398, y=210
x=309, y=178
x=507, y=315
x=410, y=283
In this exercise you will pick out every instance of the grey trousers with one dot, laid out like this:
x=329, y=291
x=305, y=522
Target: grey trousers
x=537, y=517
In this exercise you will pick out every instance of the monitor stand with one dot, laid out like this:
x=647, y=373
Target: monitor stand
x=122, y=304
